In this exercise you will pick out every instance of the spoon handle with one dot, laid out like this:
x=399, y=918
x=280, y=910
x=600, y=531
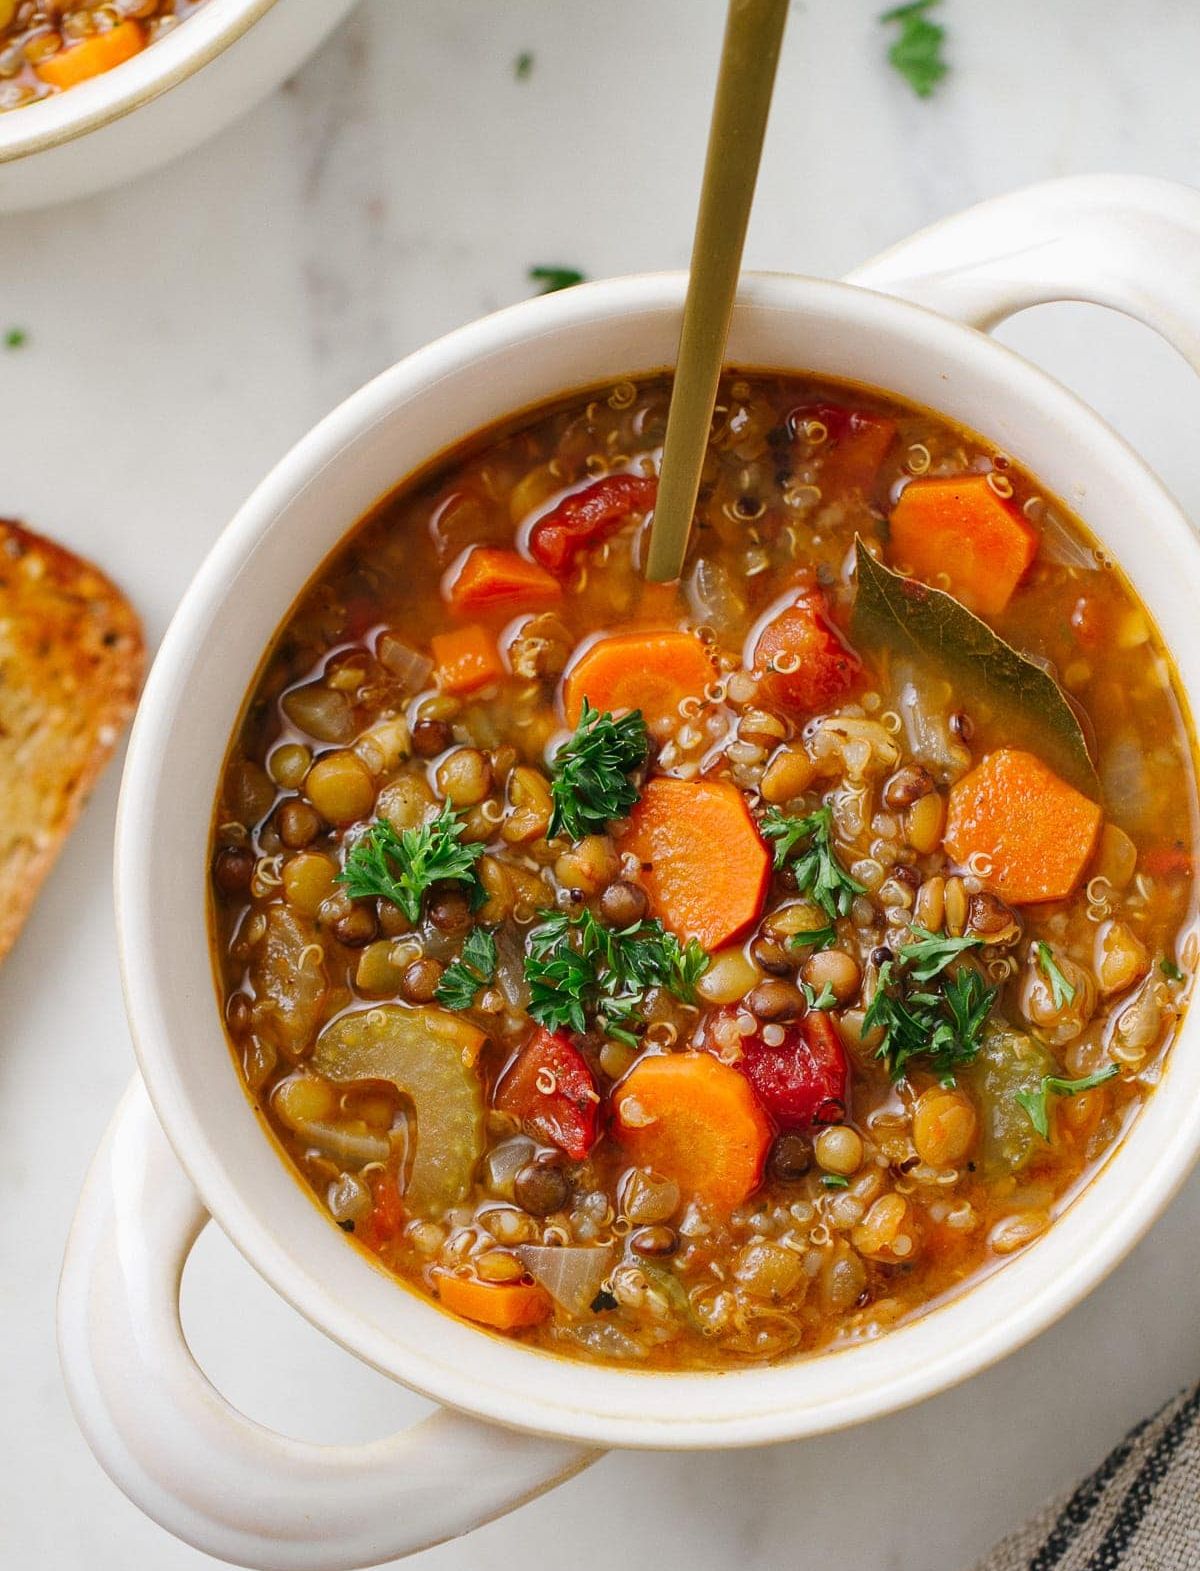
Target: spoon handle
x=749, y=55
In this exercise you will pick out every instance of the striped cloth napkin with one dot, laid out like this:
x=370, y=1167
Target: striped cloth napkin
x=1139, y=1511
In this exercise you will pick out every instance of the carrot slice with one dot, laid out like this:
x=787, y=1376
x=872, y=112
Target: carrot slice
x=505, y=1306
x=653, y=672
x=94, y=55
x=696, y=1120
x=1031, y=835
x=489, y=579
x=959, y=527
x=465, y=658
x=703, y=862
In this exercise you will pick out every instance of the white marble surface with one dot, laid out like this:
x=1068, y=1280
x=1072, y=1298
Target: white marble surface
x=184, y=331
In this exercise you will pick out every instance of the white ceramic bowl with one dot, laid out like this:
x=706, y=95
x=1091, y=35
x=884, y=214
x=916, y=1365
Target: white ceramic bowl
x=168, y=1439
x=184, y=88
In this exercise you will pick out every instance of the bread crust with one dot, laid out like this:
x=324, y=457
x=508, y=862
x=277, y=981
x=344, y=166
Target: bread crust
x=71, y=663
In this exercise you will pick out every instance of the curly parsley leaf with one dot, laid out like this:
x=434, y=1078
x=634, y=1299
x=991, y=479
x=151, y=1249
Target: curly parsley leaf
x=943, y=1026
x=15, y=338
x=473, y=969
x=591, y=783
x=1062, y=992
x=576, y=968
x=400, y=867
x=1037, y=1103
x=553, y=278
x=808, y=844
x=917, y=52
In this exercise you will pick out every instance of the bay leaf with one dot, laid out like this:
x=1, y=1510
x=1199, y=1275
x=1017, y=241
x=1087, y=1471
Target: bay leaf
x=909, y=618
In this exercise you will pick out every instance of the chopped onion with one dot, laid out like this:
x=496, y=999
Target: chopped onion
x=572, y=1274
x=410, y=668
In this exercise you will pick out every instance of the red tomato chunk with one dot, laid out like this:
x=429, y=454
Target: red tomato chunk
x=587, y=517
x=550, y=1088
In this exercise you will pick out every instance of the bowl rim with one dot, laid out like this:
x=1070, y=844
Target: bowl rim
x=475, y=1372
x=63, y=117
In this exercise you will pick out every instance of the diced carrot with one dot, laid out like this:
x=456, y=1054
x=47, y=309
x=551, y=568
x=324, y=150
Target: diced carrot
x=959, y=527
x=653, y=672
x=803, y=663
x=1024, y=832
x=489, y=579
x=855, y=446
x=702, y=861
x=696, y=1120
x=465, y=658
x=94, y=55
x=505, y=1306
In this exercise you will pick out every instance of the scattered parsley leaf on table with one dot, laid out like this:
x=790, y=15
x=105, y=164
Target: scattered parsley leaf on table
x=16, y=338
x=591, y=784
x=917, y=53
x=553, y=278
x=473, y=969
x=523, y=65
x=401, y=867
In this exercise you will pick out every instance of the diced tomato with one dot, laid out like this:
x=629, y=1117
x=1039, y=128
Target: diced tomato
x=802, y=1082
x=549, y=1087
x=586, y=517
x=386, y=1216
x=801, y=659
x=856, y=446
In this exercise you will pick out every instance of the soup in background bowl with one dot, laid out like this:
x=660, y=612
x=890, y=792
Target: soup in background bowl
x=689, y=976
x=46, y=48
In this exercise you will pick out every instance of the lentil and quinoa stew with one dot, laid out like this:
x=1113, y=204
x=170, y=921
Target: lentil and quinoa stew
x=692, y=975
x=47, y=46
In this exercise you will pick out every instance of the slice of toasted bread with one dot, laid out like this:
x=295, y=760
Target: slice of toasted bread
x=71, y=657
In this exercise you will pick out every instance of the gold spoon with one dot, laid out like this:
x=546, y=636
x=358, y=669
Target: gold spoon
x=749, y=55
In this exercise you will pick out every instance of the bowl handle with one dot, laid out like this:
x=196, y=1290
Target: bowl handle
x=1124, y=241
x=201, y=1469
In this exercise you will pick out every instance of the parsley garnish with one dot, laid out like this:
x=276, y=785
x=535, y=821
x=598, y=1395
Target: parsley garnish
x=1170, y=970
x=523, y=65
x=818, y=872
x=591, y=782
x=814, y=938
x=835, y=1181
x=552, y=278
x=401, y=867
x=1062, y=992
x=16, y=338
x=473, y=969
x=917, y=52
x=575, y=967
x=933, y=952
x=825, y=999
x=1036, y=1103
x=944, y=1027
